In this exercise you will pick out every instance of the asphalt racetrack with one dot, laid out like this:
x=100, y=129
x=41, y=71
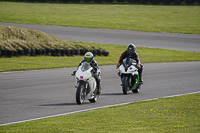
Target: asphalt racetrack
x=26, y=95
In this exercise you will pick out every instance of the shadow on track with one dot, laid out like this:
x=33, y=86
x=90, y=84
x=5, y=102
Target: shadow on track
x=58, y=104
x=112, y=94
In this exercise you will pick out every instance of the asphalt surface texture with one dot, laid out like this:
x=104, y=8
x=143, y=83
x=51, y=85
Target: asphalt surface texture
x=26, y=95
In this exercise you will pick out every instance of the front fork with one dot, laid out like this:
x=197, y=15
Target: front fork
x=86, y=91
x=129, y=80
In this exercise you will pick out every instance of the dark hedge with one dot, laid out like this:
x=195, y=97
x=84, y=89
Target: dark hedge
x=155, y=2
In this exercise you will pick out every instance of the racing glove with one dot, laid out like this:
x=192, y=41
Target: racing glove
x=118, y=64
x=74, y=72
x=138, y=66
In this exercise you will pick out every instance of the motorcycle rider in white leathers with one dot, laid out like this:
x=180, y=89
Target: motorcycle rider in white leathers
x=89, y=58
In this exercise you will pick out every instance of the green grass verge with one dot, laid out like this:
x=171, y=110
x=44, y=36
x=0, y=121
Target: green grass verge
x=146, y=55
x=155, y=18
x=177, y=114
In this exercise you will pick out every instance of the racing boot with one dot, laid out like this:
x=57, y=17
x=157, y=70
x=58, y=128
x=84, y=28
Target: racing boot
x=140, y=74
x=99, y=88
x=140, y=79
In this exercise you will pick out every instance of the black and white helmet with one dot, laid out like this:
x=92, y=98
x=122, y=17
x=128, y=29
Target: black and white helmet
x=131, y=48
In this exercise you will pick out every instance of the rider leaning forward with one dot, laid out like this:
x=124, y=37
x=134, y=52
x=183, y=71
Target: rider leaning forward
x=89, y=58
x=130, y=52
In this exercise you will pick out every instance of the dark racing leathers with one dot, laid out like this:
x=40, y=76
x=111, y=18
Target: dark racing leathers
x=135, y=57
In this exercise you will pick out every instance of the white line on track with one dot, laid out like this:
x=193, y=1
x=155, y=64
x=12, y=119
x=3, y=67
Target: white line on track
x=6, y=72
x=19, y=71
x=92, y=109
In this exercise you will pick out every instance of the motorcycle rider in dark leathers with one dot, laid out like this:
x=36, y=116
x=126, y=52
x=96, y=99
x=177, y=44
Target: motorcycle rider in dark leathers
x=88, y=57
x=130, y=52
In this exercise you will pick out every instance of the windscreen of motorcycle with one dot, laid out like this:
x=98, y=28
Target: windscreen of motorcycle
x=128, y=62
x=85, y=66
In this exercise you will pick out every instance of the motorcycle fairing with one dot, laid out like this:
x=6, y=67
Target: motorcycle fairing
x=128, y=66
x=86, y=68
x=84, y=74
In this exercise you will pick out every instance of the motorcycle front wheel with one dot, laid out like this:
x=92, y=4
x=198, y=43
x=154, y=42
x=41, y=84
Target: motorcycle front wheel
x=125, y=86
x=80, y=93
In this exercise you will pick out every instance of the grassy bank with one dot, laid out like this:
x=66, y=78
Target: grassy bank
x=17, y=38
x=156, y=18
x=177, y=114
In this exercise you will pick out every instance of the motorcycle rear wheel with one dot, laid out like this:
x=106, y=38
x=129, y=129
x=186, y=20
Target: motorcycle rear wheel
x=93, y=100
x=80, y=93
x=136, y=90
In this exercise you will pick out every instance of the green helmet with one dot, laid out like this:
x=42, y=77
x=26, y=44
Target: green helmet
x=88, y=57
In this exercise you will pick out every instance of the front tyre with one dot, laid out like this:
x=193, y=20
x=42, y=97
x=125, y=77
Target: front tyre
x=80, y=93
x=125, y=86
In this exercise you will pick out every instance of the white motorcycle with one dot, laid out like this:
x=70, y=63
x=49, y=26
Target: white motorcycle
x=129, y=76
x=86, y=84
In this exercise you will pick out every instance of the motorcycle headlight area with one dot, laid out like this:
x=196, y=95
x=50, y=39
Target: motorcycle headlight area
x=79, y=78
